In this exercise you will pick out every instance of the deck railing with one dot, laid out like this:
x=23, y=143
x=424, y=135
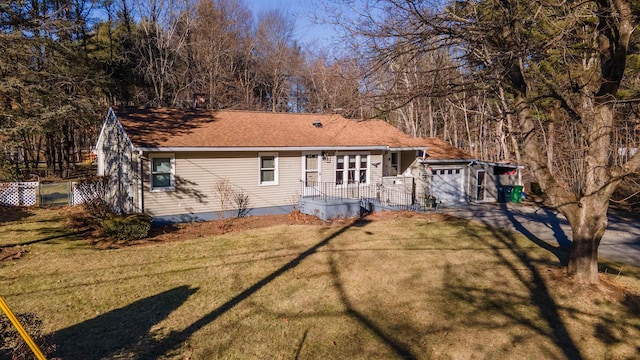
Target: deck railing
x=375, y=194
x=330, y=190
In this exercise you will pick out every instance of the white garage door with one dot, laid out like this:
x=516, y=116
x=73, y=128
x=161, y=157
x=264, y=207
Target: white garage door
x=447, y=185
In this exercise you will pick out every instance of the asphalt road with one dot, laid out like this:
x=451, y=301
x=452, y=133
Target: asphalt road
x=621, y=241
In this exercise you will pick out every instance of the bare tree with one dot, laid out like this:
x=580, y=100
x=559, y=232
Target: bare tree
x=221, y=32
x=224, y=193
x=334, y=87
x=579, y=82
x=279, y=59
x=550, y=67
x=166, y=27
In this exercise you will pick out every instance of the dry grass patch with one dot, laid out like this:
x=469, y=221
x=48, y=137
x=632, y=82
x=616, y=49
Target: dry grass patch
x=389, y=288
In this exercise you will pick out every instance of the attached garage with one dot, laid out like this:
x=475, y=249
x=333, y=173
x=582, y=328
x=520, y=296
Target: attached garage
x=447, y=185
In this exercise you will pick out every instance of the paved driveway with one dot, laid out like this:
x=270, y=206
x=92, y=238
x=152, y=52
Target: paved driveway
x=621, y=241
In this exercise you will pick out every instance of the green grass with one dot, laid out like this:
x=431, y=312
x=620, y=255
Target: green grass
x=20, y=226
x=388, y=289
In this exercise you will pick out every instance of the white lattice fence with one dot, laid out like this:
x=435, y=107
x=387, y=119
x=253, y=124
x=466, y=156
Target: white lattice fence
x=18, y=193
x=79, y=196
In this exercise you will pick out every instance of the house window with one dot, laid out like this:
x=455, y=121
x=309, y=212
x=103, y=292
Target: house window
x=352, y=169
x=268, y=169
x=363, y=168
x=340, y=170
x=162, y=172
x=395, y=163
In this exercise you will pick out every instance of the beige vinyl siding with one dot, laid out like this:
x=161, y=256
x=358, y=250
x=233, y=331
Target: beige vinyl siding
x=328, y=167
x=376, y=172
x=196, y=173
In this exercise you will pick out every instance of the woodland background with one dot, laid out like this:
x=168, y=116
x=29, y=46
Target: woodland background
x=64, y=62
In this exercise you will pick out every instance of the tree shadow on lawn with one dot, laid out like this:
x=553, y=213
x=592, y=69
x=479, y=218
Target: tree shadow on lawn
x=510, y=304
x=13, y=213
x=552, y=221
x=122, y=331
x=176, y=338
x=55, y=234
x=545, y=317
x=399, y=348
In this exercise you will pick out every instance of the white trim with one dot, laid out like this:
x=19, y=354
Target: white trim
x=258, y=148
x=172, y=175
x=118, y=124
x=452, y=162
x=484, y=186
x=511, y=166
x=345, y=171
x=100, y=161
x=408, y=148
x=275, y=170
x=303, y=159
x=140, y=202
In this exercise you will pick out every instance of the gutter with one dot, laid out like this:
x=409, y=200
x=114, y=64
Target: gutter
x=255, y=148
x=511, y=166
x=445, y=161
x=421, y=148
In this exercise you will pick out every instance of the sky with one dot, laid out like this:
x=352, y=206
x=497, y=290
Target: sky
x=302, y=11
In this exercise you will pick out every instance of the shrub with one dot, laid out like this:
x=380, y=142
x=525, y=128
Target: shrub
x=227, y=197
x=242, y=201
x=127, y=227
x=94, y=193
x=223, y=192
x=13, y=345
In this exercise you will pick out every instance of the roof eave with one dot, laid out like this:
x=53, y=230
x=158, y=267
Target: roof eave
x=437, y=161
x=408, y=148
x=111, y=113
x=511, y=166
x=255, y=148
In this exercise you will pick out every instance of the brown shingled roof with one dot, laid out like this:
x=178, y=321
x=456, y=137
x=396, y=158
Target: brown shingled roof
x=164, y=127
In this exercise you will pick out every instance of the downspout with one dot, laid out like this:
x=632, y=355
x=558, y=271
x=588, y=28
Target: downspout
x=141, y=184
x=468, y=178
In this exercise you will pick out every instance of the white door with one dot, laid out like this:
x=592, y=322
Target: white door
x=447, y=185
x=311, y=174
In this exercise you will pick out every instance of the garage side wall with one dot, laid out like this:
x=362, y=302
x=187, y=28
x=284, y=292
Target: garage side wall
x=497, y=177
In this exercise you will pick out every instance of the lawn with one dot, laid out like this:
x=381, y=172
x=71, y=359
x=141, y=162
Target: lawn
x=394, y=288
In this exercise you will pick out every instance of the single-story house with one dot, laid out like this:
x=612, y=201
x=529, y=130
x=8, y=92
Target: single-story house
x=171, y=164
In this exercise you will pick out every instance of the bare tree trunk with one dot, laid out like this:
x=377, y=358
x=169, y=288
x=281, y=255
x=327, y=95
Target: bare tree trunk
x=551, y=137
x=466, y=119
x=430, y=114
x=588, y=224
x=509, y=118
x=588, y=219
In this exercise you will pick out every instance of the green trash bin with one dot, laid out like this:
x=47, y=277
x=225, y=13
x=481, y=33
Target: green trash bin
x=516, y=194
